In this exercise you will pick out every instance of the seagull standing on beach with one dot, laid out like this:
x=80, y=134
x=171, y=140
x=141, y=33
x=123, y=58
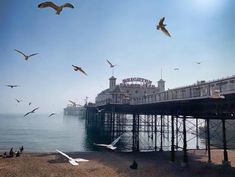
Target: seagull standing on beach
x=77, y=68
x=12, y=86
x=110, y=146
x=57, y=8
x=26, y=57
x=33, y=111
x=72, y=160
x=161, y=26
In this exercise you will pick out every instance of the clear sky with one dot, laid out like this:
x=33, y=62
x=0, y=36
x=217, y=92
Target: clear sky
x=122, y=31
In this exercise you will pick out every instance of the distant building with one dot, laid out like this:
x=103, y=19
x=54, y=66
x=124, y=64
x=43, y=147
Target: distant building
x=129, y=88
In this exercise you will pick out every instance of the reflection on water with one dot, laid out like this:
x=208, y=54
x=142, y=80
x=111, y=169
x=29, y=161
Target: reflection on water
x=40, y=133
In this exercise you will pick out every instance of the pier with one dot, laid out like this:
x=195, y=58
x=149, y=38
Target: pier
x=166, y=117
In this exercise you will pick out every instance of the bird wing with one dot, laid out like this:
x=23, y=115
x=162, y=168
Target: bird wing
x=81, y=160
x=161, y=21
x=73, y=162
x=27, y=113
x=68, y=5
x=80, y=69
x=164, y=30
x=63, y=154
x=33, y=54
x=48, y=4
x=110, y=63
x=51, y=114
x=72, y=102
x=104, y=145
x=34, y=109
x=115, y=141
x=21, y=53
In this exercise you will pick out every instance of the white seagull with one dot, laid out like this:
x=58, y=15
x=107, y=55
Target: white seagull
x=217, y=95
x=12, y=86
x=110, y=146
x=100, y=110
x=26, y=57
x=57, y=8
x=72, y=160
x=161, y=26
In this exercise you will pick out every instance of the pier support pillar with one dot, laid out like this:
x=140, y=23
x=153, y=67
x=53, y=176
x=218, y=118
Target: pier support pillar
x=185, y=160
x=177, y=132
x=208, y=139
x=197, y=135
x=225, y=161
x=135, y=131
x=161, y=133
x=155, y=132
x=172, y=140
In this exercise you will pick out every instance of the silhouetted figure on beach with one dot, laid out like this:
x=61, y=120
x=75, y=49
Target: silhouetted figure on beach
x=134, y=166
x=11, y=153
x=4, y=155
x=21, y=149
x=17, y=153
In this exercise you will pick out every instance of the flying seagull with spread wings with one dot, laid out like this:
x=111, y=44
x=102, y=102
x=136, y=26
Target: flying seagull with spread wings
x=52, y=114
x=18, y=101
x=110, y=146
x=198, y=63
x=57, y=8
x=33, y=111
x=26, y=57
x=99, y=110
x=176, y=69
x=12, y=86
x=111, y=65
x=161, y=26
x=72, y=160
x=77, y=68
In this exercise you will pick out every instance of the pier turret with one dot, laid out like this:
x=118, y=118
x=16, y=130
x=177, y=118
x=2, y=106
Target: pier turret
x=112, y=82
x=161, y=85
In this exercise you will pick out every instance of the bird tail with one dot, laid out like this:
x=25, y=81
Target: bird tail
x=158, y=27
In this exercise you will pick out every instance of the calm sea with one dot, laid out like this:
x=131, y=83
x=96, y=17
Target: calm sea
x=40, y=133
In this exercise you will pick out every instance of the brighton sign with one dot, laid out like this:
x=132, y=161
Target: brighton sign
x=137, y=79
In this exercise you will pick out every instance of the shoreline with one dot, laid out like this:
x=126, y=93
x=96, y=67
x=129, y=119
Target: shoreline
x=116, y=164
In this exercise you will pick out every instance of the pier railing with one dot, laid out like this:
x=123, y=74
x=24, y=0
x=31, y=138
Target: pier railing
x=199, y=90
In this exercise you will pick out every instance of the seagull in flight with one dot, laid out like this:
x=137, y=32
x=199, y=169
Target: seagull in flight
x=12, y=86
x=57, y=8
x=198, y=63
x=52, y=114
x=77, y=68
x=74, y=104
x=100, y=110
x=111, y=65
x=176, y=69
x=110, y=146
x=161, y=26
x=217, y=95
x=18, y=100
x=33, y=111
x=72, y=160
x=30, y=103
x=26, y=57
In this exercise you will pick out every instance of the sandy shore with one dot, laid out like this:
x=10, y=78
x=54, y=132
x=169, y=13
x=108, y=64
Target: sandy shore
x=116, y=164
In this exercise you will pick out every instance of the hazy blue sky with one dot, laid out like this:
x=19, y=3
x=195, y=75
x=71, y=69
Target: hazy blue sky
x=122, y=31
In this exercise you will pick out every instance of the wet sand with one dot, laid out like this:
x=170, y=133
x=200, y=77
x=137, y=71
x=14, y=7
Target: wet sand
x=116, y=164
